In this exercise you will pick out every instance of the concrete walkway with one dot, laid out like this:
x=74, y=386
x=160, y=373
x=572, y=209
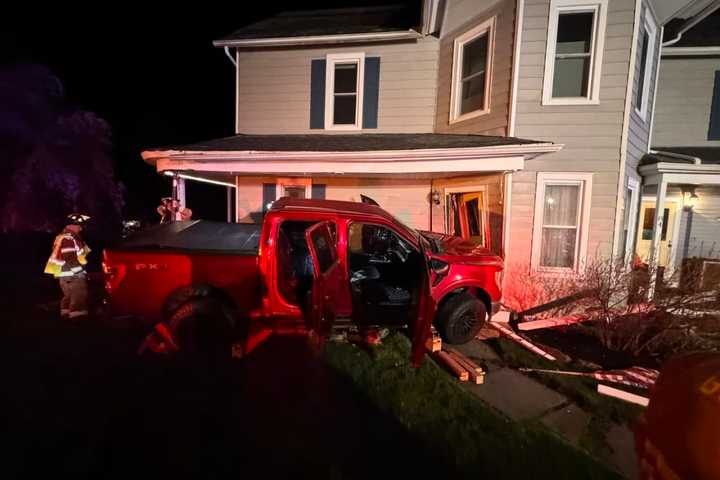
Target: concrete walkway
x=523, y=398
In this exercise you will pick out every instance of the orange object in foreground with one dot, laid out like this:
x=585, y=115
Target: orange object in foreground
x=679, y=434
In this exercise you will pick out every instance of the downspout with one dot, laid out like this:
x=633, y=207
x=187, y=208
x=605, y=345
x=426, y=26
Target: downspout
x=234, y=61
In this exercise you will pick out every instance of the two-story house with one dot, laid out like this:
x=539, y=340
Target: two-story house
x=685, y=156
x=518, y=124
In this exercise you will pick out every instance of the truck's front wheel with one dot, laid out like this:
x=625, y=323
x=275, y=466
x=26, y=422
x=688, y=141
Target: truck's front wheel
x=461, y=318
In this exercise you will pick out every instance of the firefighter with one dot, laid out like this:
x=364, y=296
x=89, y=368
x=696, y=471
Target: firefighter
x=165, y=210
x=67, y=264
x=678, y=435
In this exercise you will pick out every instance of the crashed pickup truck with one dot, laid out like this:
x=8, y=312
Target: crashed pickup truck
x=312, y=266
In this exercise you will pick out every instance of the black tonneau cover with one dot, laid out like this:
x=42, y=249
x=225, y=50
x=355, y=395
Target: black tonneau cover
x=202, y=235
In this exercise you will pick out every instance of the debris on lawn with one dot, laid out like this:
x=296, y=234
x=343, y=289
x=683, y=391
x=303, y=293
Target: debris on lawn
x=463, y=368
x=434, y=342
x=475, y=373
x=623, y=395
x=634, y=376
x=551, y=322
x=523, y=342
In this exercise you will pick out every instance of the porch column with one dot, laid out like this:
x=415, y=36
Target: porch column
x=179, y=193
x=229, y=204
x=657, y=232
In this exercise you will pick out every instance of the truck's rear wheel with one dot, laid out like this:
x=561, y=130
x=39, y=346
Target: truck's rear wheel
x=203, y=329
x=461, y=318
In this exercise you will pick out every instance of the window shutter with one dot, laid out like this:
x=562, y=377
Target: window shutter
x=714, y=128
x=371, y=91
x=317, y=94
x=268, y=195
x=318, y=191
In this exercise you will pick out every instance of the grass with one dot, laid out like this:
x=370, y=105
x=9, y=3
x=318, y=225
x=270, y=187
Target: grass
x=581, y=390
x=452, y=422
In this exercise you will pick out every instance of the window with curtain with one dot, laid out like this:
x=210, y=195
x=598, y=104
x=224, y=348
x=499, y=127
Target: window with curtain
x=560, y=228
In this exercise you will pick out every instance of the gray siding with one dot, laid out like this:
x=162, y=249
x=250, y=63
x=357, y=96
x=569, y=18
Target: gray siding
x=639, y=129
x=274, y=87
x=683, y=102
x=703, y=240
x=591, y=133
x=496, y=120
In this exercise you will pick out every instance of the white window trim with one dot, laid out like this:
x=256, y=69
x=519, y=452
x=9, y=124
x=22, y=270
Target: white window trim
x=581, y=242
x=634, y=186
x=487, y=27
x=650, y=26
x=281, y=183
x=599, y=7
x=330, y=60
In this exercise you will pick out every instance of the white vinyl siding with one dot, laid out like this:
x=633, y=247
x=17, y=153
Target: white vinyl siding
x=273, y=88
x=574, y=51
x=560, y=235
x=472, y=72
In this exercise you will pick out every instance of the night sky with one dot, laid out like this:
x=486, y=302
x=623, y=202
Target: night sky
x=153, y=75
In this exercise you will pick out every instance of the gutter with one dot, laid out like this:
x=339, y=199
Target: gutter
x=692, y=21
x=680, y=156
x=690, y=51
x=381, y=156
x=320, y=39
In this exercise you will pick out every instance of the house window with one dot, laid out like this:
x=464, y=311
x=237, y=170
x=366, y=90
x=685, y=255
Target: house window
x=472, y=72
x=344, y=91
x=562, y=209
x=714, y=127
x=647, y=49
x=629, y=220
x=576, y=32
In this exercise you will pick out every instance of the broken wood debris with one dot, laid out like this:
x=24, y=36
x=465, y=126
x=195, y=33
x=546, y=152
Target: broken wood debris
x=551, y=322
x=434, y=342
x=455, y=368
x=475, y=373
x=623, y=395
x=639, y=377
x=523, y=342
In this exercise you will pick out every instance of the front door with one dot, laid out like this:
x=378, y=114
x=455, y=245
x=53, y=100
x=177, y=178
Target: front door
x=647, y=222
x=466, y=215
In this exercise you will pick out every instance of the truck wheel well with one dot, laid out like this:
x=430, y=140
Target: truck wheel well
x=183, y=294
x=476, y=292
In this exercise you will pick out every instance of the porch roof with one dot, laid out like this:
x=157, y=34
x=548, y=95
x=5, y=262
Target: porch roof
x=681, y=165
x=352, y=154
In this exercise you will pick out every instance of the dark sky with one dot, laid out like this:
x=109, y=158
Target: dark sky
x=153, y=75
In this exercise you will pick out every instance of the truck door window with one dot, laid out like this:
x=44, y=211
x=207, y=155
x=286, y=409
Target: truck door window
x=294, y=265
x=324, y=248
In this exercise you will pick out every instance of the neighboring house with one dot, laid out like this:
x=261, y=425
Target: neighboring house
x=518, y=124
x=685, y=158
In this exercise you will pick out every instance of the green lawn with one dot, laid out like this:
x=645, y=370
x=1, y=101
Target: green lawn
x=581, y=390
x=451, y=421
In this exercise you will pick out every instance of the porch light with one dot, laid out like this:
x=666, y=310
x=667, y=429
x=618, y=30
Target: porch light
x=690, y=198
x=435, y=197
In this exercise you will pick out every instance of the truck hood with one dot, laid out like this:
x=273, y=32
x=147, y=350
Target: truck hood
x=460, y=250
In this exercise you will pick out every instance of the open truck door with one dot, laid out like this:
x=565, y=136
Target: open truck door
x=423, y=317
x=328, y=279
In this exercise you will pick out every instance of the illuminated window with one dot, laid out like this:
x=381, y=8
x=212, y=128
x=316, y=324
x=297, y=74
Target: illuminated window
x=562, y=208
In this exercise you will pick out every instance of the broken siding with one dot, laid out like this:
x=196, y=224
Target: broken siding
x=494, y=122
x=639, y=129
x=591, y=133
x=684, y=100
x=273, y=88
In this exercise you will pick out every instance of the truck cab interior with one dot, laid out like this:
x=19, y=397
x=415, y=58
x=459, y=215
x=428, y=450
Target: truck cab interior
x=384, y=274
x=384, y=271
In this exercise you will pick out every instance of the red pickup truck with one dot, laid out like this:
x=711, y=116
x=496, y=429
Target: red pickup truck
x=312, y=265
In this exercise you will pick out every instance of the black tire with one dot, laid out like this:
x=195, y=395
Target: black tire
x=203, y=329
x=460, y=318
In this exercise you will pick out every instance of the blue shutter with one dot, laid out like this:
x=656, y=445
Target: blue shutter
x=714, y=128
x=268, y=196
x=317, y=94
x=371, y=91
x=318, y=191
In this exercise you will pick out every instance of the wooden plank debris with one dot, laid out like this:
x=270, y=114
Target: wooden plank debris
x=455, y=368
x=551, y=322
x=434, y=342
x=623, y=395
x=525, y=343
x=475, y=373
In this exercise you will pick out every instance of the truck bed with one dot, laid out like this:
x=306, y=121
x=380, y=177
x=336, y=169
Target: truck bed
x=197, y=235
